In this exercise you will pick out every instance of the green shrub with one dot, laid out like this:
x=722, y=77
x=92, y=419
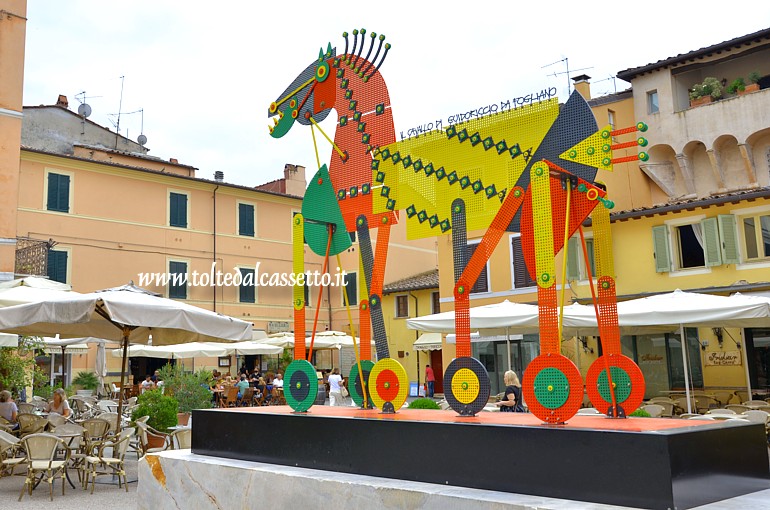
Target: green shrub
x=736, y=85
x=641, y=413
x=191, y=390
x=710, y=87
x=160, y=408
x=86, y=381
x=754, y=76
x=423, y=403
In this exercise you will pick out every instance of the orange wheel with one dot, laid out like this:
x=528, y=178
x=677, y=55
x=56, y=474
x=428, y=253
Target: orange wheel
x=627, y=380
x=552, y=388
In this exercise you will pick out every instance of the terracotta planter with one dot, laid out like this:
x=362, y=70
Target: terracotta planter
x=700, y=101
x=155, y=441
x=183, y=418
x=751, y=87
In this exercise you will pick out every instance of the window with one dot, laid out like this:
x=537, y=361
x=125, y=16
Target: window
x=402, y=306
x=756, y=236
x=351, y=289
x=689, y=239
x=58, y=192
x=710, y=242
x=652, y=102
x=576, y=263
x=435, y=298
x=247, y=289
x=521, y=277
x=57, y=265
x=177, y=205
x=482, y=283
x=307, y=294
x=246, y=220
x=177, y=282
x=611, y=119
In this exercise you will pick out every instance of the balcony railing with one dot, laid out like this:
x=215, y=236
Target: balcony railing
x=32, y=256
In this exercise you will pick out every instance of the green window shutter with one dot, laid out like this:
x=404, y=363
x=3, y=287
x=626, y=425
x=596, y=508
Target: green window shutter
x=246, y=220
x=660, y=247
x=711, y=245
x=57, y=266
x=247, y=290
x=351, y=289
x=178, y=210
x=573, y=265
x=58, y=192
x=177, y=286
x=728, y=234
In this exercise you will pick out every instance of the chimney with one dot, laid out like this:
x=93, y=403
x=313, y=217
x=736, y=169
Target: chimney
x=62, y=101
x=294, y=179
x=173, y=161
x=583, y=86
x=219, y=176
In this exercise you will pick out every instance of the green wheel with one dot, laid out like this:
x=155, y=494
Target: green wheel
x=356, y=390
x=300, y=385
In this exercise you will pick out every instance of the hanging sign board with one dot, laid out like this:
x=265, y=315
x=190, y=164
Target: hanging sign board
x=723, y=358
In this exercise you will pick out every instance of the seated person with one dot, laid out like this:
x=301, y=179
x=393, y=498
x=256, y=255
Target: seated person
x=8, y=408
x=58, y=404
x=278, y=381
x=147, y=384
x=242, y=385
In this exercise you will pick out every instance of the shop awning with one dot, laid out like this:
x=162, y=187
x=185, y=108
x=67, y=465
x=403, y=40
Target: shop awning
x=69, y=349
x=428, y=342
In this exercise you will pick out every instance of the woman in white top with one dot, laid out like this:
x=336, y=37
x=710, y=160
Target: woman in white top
x=335, y=382
x=59, y=404
x=8, y=408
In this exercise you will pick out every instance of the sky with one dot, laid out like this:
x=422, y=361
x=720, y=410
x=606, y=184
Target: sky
x=204, y=73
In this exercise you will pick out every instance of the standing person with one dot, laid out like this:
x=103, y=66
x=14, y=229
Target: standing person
x=511, y=401
x=59, y=404
x=430, y=380
x=335, y=383
x=8, y=408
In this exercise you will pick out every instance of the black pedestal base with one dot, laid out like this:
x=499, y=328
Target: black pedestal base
x=638, y=462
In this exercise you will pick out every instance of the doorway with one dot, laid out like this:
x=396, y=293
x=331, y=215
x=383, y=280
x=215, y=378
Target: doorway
x=437, y=364
x=758, y=356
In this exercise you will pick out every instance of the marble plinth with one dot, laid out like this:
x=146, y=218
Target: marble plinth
x=180, y=479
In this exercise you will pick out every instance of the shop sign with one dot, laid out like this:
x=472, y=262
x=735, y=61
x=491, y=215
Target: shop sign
x=723, y=358
x=277, y=327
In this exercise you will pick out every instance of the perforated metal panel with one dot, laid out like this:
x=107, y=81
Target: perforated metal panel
x=300, y=385
x=388, y=384
x=466, y=386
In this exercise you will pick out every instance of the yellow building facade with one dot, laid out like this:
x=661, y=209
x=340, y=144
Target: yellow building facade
x=695, y=217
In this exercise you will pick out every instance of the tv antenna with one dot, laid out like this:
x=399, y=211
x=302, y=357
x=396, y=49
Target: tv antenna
x=614, y=83
x=84, y=109
x=567, y=71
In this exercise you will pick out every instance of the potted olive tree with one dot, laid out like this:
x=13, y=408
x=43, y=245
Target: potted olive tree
x=190, y=389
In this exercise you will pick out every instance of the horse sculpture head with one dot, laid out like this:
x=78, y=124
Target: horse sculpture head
x=314, y=91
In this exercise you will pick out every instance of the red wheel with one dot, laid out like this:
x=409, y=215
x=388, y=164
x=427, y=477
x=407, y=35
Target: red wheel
x=552, y=388
x=627, y=380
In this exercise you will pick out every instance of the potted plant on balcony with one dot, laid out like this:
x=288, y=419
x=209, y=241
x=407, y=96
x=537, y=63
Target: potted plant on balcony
x=753, y=85
x=737, y=86
x=706, y=92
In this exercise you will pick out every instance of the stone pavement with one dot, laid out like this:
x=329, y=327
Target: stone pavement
x=106, y=496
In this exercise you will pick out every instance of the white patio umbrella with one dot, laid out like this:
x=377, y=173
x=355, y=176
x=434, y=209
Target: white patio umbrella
x=8, y=340
x=252, y=348
x=678, y=309
x=76, y=346
x=283, y=339
x=126, y=314
x=178, y=351
x=29, y=289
